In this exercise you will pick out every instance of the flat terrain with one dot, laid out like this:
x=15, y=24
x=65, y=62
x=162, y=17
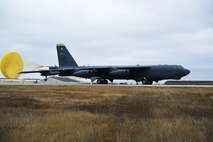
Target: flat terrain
x=105, y=113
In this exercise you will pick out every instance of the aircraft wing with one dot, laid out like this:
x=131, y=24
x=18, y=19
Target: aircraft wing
x=102, y=69
x=98, y=68
x=39, y=71
x=43, y=72
x=105, y=68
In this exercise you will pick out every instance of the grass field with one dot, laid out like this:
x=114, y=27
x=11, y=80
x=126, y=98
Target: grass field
x=97, y=113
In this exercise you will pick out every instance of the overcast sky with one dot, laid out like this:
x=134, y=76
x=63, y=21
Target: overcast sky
x=112, y=32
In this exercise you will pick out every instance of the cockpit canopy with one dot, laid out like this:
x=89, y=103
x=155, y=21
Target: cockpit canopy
x=178, y=67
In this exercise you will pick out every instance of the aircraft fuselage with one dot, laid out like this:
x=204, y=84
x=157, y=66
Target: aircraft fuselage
x=145, y=74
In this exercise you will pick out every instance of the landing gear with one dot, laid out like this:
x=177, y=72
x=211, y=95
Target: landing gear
x=102, y=81
x=45, y=79
x=99, y=81
x=147, y=82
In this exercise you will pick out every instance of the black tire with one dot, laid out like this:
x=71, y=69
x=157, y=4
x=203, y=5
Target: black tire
x=99, y=81
x=105, y=81
x=147, y=82
x=102, y=81
x=150, y=82
x=144, y=82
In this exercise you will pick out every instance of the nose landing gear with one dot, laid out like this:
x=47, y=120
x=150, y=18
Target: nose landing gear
x=45, y=79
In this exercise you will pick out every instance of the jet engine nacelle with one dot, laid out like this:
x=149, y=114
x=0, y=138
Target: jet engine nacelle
x=84, y=73
x=119, y=72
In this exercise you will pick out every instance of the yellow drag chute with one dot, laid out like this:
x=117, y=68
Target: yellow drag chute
x=11, y=65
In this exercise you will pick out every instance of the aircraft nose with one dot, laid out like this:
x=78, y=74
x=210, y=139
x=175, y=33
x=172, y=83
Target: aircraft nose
x=186, y=71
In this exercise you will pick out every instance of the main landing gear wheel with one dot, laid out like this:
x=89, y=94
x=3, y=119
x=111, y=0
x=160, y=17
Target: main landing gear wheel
x=147, y=82
x=102, y=81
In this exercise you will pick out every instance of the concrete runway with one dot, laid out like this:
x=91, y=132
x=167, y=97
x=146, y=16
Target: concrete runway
x=169, y=86
x=112, y=85
x=58, y=83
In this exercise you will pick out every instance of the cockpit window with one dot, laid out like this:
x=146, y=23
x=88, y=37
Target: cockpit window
x=178, y=67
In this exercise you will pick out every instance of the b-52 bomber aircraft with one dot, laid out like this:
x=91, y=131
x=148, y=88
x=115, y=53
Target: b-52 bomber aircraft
x=104, y=74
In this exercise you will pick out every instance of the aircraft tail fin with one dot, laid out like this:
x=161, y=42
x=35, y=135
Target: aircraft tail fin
x=64, y=56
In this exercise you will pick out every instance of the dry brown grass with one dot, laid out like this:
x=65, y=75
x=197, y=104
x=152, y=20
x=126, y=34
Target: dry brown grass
x=97, y=113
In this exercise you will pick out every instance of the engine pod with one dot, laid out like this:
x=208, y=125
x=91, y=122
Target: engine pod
x=11, y=65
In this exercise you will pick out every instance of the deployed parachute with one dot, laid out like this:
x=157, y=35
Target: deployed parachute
x=11, y=65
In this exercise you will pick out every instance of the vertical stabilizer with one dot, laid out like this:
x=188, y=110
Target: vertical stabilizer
x=64, y=56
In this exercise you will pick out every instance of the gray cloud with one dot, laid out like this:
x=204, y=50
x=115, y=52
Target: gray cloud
x=100, y=32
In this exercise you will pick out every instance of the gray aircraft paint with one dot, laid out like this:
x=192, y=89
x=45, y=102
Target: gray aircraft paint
x=144, y=74
x=64, y=57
